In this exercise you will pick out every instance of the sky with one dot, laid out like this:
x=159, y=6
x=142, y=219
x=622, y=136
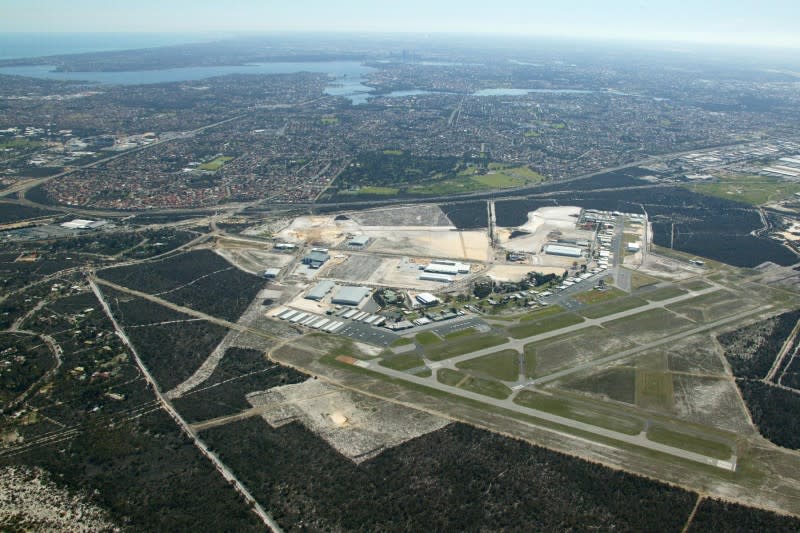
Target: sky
x=746, y=22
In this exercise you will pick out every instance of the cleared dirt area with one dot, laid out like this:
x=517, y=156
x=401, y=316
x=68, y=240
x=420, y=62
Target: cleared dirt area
x=316, y=230
x=412, y=215
x=254, y=260
x=29, y=497
x=431, y=242
x=358, y=427
x=710, y=402
x=665, y=267
x=354, y=268
x=515, y=273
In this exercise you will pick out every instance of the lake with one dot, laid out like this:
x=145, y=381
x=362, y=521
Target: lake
x=349, y=76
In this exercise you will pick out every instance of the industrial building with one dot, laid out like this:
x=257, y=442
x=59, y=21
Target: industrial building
x=272, y=273
x=426, y=298
x=563, y=250
x=441, y=266
x=80, y=223
x=350, y=295
x=432, y=276
x=320, y=290
x=284, y=246
x=358, y=242
x=316, y=259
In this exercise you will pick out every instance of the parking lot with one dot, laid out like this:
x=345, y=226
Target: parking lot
x=365, y=333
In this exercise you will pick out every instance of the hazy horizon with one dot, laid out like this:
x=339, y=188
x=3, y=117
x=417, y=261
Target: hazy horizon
x=746, y=23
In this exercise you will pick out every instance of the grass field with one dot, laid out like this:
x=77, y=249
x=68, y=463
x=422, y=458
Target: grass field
x=402, y=341
x=541, y=313
x=329, y=120
x=392, y=152
x=614, y=306
x=709, y=448
x=215, y=164
x=664, y=293
x=463, y=345
x=695, y=285
x=754, y=190
x=403, y=362
x=373, y=191
x=579, y=412
x=487, y=387
x=543, y=325
x=502, y=365
x=570, y=349
x=652, y=324
x=460, y=333
x=426, y=338
x=593, y=297
x=639, y=280
x=617, y=383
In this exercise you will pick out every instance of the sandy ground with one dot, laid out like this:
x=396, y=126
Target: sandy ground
x=358, y=427
x=254, y=260
x=410, y=215
x=665, y=267
x=563, y=218
x=711, y=402
x=544, y=225
x=517, y=272
x=28, y=496
x=431, y=242
x=315, y=230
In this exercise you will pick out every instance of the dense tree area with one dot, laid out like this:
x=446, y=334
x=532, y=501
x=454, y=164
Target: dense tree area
x=173, y=352
x=751, y=350
x=167, y=274
x=132, y=311
x=240, y=372
x=470, y=215
x=147, y=475
x=716, y=515
x=132, y=244
x=14, y=213
x=201, y=280
x=396, y=169
x=775, y=411
x=24, y=359
x=457, y=479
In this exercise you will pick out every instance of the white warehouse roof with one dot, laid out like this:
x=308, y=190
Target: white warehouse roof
x=351, y=295
x=560, y=249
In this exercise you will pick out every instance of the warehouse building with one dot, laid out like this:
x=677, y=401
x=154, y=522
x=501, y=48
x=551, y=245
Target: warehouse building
x=432, y=276
x=316, y=259
x=320, y=290
x=426, y=298
x=447, y=267
x=350, y=295
x=563, y=250
x=358, y=242
x=272, y=273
